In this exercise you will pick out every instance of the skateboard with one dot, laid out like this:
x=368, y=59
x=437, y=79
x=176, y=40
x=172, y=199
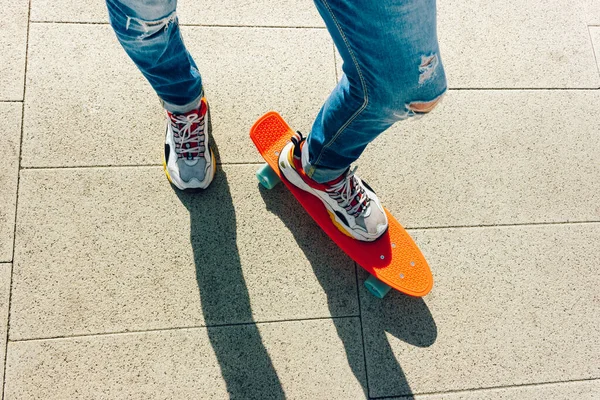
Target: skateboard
x=393, y=260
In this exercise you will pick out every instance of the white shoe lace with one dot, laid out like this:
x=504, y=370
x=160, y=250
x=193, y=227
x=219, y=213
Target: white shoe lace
x=346, y=190
x=183, y=133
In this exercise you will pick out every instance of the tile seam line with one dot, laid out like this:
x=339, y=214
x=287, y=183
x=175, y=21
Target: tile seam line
x=186, y=24
x=471, y=390
x=596, y=56
x=101, y=166
x=525, y=224
x=12, y=265
x=362, y=332
x=178, y=328
x=11, y=101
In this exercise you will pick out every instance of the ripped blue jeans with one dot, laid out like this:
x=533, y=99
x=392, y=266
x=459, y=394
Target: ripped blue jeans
x=392, y=69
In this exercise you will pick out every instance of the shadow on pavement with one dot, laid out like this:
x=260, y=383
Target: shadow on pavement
x=406, y=318
x=245, y=363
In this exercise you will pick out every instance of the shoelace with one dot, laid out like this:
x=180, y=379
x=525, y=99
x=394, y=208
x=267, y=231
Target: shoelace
x=347, y=190
x=183, y=133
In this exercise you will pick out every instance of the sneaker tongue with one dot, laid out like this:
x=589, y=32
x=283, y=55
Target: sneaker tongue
x=192, y=140
x=337, y=180
x=356, y=199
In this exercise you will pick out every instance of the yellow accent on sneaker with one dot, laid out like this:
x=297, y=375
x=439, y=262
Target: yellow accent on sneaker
x=340, y=227
x=166, y=171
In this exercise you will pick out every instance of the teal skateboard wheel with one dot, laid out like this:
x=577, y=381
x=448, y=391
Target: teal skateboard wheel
x=267, y=177
x=376, y=287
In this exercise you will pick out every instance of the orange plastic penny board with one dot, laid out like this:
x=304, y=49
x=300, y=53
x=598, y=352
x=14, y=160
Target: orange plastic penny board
x=394, y=258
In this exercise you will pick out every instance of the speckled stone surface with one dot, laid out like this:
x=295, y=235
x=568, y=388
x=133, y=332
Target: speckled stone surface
x=87, y=104
x=207, y=12
x=115, y=275
x=492, y=157
x=515, y=44
x=298, y=360
x=10, y=120
x=114, y=117
x=5, y=269
x=595, y=35
x=587, y=390
x=510, y=306
x=592, y=11
x=121, y=251
x=13, y=42
x=288, y=70
x=501, y=45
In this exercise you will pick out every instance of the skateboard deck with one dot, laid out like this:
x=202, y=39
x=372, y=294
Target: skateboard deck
x=393, y=259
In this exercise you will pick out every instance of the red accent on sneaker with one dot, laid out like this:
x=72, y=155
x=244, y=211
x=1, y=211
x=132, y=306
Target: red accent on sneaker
x=297, y=164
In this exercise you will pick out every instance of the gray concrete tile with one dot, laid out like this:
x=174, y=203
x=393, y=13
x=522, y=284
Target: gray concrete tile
x=13, y=42
x=5, y=270
x=501, y=45
x=298, y=360
x=207, y=12
x=10, y=120
x=515, y=44
x=288, y=70
x=587, y=390
x=492, y=157
x=510, y=306
x=253, y=13
x=79, y=74
x=86, y=103
x=595, y=35
x=116, y=249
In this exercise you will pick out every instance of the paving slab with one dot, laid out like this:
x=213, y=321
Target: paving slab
x=80, y=74
x=10, y=120
x=595, y=35
x=13, y=42
x=492, y=157
x=510, y=306
x=5, y=271
x=501, y=45
x=587, y=390
x=515, y=44
x=298, y=360
x=294, y=13
x=117, y=249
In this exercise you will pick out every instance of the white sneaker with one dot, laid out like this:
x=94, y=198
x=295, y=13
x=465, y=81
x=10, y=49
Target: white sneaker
x=352, y=205
x=189, y=161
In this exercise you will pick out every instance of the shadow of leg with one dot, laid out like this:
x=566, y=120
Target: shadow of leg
x=403, y=317
x=245, y=364
x=314, y=243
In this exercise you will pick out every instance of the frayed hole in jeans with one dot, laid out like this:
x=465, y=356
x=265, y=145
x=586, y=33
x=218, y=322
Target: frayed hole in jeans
x=152, y=27
x=427, y=68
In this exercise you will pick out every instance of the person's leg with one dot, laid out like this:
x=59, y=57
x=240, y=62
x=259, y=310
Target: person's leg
x=392, y=71
x=149, y=32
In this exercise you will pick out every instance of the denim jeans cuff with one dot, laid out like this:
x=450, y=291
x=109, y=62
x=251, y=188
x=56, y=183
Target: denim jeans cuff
x=177, y=109
x=322, y=174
